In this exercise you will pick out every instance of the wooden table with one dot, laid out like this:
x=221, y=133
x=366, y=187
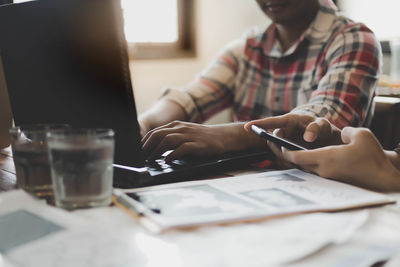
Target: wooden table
x=229, y=245
x=7, y=170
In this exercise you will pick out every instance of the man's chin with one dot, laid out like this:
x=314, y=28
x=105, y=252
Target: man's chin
x=280, y=20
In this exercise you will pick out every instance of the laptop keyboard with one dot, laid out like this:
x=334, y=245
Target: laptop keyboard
x=159, y=165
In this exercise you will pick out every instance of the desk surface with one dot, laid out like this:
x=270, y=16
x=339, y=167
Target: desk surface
x=354, y=238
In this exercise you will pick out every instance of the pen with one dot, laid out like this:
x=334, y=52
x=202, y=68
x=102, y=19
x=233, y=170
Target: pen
x=123, y=202
x=133, y=208
x=137, y=198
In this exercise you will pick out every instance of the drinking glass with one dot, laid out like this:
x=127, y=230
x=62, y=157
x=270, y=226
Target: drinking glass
x=30, y=156
x=81, y=163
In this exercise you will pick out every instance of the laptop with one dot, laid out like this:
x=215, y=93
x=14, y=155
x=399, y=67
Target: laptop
x=65, y=61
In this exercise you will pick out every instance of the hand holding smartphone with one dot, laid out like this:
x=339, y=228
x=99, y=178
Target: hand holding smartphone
x=275, y=139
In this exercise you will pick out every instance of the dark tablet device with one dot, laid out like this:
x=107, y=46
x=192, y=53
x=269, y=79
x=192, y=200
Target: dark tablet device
x=275, y=139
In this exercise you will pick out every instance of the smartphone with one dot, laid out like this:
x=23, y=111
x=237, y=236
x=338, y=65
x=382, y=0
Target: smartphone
x=275, y=139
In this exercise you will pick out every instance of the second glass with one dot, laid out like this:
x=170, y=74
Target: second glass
x=81, y=165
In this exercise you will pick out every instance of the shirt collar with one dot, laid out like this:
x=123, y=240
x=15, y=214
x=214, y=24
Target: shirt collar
x=318, y=31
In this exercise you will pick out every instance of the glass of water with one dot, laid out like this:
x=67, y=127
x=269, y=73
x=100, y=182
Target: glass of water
x=30, y=155
x=81, y=162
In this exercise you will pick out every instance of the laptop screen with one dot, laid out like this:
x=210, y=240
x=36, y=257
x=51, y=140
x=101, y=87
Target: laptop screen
x=65, y=61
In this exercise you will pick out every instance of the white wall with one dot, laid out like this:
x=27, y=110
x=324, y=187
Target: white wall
x=379, y=15
x=217, y=23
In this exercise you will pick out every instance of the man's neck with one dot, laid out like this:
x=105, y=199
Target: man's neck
x=289, y=33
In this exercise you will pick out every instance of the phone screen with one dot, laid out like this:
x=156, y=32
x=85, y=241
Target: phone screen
x=276, y=139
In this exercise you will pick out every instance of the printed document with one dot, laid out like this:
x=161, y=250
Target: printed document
x=246, y=198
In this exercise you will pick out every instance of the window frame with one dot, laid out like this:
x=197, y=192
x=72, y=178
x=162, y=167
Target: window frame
x=185, y=45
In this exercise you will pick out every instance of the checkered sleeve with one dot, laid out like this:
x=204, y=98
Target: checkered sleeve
x=211, y=91
x=345, y=90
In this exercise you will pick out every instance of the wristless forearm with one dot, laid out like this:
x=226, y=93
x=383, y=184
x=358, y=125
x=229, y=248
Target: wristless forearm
x=161, y=113
x=237, y=138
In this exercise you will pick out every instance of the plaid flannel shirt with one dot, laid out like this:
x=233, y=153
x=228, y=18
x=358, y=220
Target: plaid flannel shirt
x=330, y=72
